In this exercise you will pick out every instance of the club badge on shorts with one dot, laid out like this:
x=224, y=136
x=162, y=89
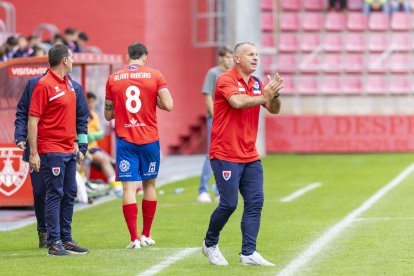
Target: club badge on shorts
x=226, y=175
x=56, y=171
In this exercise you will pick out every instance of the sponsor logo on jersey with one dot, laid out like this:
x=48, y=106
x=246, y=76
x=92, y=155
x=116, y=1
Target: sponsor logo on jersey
x=56, y=171
x=124, y=166
x=134, y=123
x=226, y=175
x=57, y=89
x=13, y=170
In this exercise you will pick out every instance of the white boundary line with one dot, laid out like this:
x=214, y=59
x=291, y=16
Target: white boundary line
x=300, y=192
x=317, y=246
x=169, y=261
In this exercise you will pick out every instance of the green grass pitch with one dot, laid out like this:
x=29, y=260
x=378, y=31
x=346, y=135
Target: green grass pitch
x=379, y=242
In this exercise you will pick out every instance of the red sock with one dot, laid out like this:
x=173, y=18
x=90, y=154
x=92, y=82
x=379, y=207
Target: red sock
x=148, y=212
x=130, y=215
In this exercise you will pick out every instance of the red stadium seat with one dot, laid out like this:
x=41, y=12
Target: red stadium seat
x=401, y=42
x=331, y=63
x=335, y=21
x=310, y=41
x=312, y=21
x=355, y=42
x=377, y=63
x=268, y=40
x=400, y=63
x=399, y=84
x=266, y=19
x=351, y=84
x=331, y=85
x=401, y=21
x=333, y=42
x=290, y=22
x=307, y=84
x=266, y=5
x=314, y=5
x=288, y=42
x=289, y=85
x=266, y=61
x=356, y=22
x=286, y=64
x=375, y=84
x=291, y=5
x=377, y=42
x=309, y=64
x=353, y=63
x=378, y=21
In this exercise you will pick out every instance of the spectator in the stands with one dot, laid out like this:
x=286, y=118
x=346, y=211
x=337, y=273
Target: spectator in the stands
x=58, y=39
x=400, y=5
x=33, y=41
x=376, y=5
x=23, y=49
x=69, y=38
x=81, y=42
x=9, y=48
x=38, y=52
x=333, y=4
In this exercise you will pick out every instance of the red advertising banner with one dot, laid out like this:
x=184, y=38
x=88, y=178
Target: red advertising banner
x=312, y=134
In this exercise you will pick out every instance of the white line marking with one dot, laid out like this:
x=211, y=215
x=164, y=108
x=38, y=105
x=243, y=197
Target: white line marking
x=169, y=261
x=332, y=232
x=383, y=219
x=300, y=192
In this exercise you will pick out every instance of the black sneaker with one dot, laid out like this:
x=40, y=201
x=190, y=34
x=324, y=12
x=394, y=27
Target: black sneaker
x=42, y=239
x=57, y=249
x=73, y=248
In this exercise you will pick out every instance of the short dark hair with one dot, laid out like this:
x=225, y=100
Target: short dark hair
x=70, y=31
x=83, y=36
x=57, y=53
x=222, y=51
x=90, y=95
x=137, y=50
x=12, y=41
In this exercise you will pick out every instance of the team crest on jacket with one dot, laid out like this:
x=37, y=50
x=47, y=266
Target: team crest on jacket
x=56, y=171
x=13, y=171
x=226, y=175
x=256, y=85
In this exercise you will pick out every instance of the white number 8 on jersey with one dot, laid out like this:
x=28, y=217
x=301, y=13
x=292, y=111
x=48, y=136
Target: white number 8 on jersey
x=133, y=98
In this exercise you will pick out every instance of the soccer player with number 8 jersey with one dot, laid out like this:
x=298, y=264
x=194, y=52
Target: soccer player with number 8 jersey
x=132, y=96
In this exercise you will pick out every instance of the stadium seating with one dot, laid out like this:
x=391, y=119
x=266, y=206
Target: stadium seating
x=288, y=42
x=378, y=21
x=401, y=21
x=314, y=5
x=377, y=42
x=267, y=21
x=290, y=22
x=335, y=21
x=309, y=42
x=356, y=22
x=308, y=84
x=355, y=42
x=331, y=52
x=312, y=21
x=291, y=5
x=333, y=42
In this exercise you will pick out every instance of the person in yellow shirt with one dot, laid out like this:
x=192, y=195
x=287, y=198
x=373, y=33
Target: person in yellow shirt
x=376, y=5
x=99, y=158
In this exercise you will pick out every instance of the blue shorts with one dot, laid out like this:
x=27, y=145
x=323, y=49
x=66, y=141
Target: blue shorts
x=137, y=162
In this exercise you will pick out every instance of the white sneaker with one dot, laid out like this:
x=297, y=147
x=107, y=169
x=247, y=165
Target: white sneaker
x=254, y=259
x=147, y=241
x=134, y=245
x=213, y=254
x=204, y=198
